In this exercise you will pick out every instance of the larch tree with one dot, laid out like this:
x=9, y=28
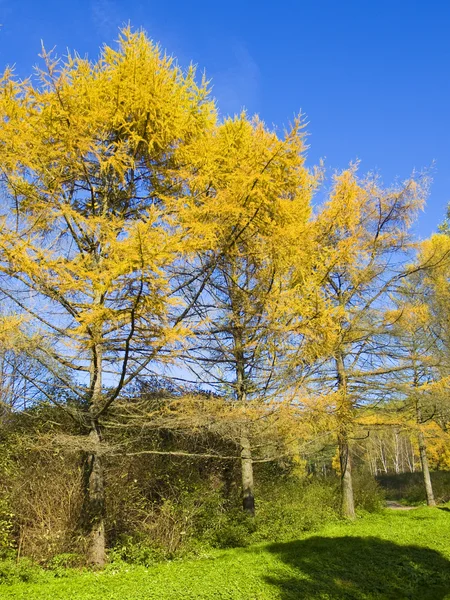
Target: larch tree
x=427, y=296
x=434, y=263
x=261, y=194
x=95, y=209
x=363, y=232
x=413, y=344
x=421, y=340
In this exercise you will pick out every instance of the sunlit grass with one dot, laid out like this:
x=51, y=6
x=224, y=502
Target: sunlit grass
x=392, y=555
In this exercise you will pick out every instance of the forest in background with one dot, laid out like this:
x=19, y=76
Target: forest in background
x=193, y=351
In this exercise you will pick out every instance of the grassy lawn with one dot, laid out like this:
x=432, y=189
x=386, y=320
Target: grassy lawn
x=394, y=555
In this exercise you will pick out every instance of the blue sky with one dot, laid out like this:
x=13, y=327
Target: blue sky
x=372, y=77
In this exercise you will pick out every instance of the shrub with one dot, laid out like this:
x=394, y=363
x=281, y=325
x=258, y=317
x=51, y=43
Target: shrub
x=46, y=495
x=7, y=470
x=234, y=530
x=14, y=571
x=6, y=528
x=66, y=560
x=136, y=551
x=368, y=494
x=295, y=505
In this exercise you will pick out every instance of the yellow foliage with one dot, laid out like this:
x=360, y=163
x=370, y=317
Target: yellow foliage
x=96, y=162
x=10, y=332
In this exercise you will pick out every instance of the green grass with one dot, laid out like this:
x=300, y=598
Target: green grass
x=393, y=555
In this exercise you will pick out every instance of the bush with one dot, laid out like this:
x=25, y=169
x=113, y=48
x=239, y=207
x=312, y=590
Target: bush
x=14, y=571
x=235, y=530
x=168, y=512
x=368, y=494
x=7, y=471
x=231, y=535
x=6, y=528
x=137, y=552
x=66, y=560
x=295, y=505
x=46, y=496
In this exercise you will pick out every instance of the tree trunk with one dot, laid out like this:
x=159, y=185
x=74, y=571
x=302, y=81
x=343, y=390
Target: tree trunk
x=248, y=498
x=383, y=459
x=426, y=470
x=424, y=459
x=397, y=451
x=348, y=505
x=96, y=503
x=410, y=457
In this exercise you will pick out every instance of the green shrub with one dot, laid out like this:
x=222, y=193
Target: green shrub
x=231, y=535
x=6, y=528
x=66, y=560
x=14, y=571
x=136, y=551
x=293, y=506
x=236, y=530
x=368, y=494
x=7, y=470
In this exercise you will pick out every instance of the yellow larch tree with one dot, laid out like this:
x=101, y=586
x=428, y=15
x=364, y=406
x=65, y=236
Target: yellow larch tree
x=363, y=235
x=260, y=209
x=96, y=208
x=413, y=348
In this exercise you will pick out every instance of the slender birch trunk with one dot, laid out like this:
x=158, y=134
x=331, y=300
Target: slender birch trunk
x=410, y=457
x=383, y=458
x=397, y=451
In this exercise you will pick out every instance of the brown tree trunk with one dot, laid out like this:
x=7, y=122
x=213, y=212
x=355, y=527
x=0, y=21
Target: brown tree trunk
x=347, y=502
x=424, y=459
x=95, y=505
x=248, y=498
x=426, y=470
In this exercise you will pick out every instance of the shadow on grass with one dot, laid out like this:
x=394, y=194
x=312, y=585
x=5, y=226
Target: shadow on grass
x=359, y=568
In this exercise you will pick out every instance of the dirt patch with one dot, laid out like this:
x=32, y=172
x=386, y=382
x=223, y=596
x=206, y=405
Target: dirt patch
x=396, y=506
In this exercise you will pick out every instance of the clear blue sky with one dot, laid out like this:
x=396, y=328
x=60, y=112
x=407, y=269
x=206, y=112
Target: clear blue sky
x=372, y=77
